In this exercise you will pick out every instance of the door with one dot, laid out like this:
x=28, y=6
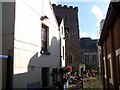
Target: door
x=45, y=77
x=55, y=77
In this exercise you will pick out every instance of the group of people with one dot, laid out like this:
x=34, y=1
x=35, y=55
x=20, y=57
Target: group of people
x=68, y=79
x=65, y=81
x=91, y=73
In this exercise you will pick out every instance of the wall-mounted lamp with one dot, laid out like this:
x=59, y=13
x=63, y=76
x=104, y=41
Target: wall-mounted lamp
x=43, y=17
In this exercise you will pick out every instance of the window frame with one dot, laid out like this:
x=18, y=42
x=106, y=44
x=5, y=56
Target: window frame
x=119, y=67
x=44, y=39
x=87, y=57
x=63, y=53
x=110, y=68
x=93, y=58
x=105, y=68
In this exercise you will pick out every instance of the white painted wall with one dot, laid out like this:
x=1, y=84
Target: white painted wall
x=62, y=35
x=27, y=42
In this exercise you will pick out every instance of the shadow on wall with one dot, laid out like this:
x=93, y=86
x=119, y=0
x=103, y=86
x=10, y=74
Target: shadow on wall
x=34, y=78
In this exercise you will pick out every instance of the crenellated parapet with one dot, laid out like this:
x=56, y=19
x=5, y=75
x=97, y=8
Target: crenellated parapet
x=59, y=6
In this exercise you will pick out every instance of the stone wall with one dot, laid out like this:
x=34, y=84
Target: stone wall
x=70, y=16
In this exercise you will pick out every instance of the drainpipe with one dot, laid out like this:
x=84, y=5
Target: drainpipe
x=99, y=63
x=103, y=71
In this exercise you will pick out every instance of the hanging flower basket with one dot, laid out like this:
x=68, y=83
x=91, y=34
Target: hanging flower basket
x=69, y=69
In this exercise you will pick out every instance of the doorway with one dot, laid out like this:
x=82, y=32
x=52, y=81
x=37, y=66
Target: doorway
x=45, y=77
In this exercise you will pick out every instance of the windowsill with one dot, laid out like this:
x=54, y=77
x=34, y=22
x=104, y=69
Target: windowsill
x=45, y=52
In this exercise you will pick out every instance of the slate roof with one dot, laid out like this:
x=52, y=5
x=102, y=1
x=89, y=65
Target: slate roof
x=88, y=43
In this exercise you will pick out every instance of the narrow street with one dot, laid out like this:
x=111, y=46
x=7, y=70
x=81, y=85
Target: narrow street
x=89, y=83
x=93, y=82
x=60, y=44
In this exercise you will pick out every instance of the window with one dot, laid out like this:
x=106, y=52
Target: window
x=119, y=67
x=118, y=63
x=63, y=52
x=85, y=58
x=109, y=68
x=67, y=59
x=62, y=30
x=93, y=58
x=44, y=39
x=66, y=18
x=71, y=59
x=104, y=67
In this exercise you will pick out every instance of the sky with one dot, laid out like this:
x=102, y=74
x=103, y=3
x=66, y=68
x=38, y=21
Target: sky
x=90, y=13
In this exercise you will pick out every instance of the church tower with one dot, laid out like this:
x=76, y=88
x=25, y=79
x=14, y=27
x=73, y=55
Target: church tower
x=72, y=43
